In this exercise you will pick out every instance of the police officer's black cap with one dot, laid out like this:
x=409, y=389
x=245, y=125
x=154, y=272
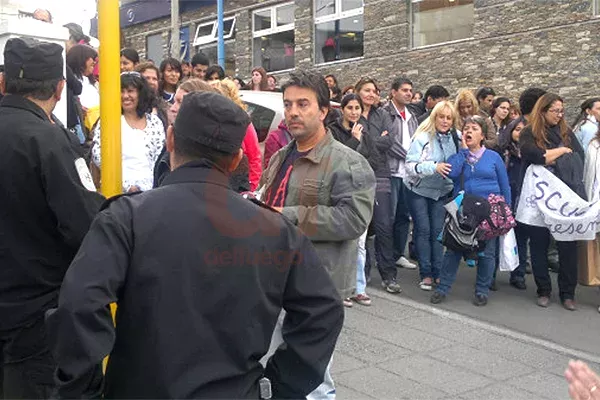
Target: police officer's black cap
x=212, y=120
x=32, y=59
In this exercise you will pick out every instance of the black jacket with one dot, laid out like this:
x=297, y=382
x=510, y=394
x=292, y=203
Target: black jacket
x=418, y=109
x=200, y=275
x=532, y=154
x=365, y=147
x=45, y=210
x=74, y=88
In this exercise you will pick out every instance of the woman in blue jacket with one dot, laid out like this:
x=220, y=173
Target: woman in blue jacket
x=484, y=173
x=429, y=187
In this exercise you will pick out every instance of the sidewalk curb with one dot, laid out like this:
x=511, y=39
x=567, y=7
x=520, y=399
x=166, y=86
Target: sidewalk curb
x=499, y=330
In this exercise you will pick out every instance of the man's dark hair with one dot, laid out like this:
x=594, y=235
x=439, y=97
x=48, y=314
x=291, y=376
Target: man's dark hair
x=39, y=90
x=436, y=92
x=131, y=55
x=312, y=81
x=396, y=83
x=484, y=92
x=191, y=150
x=145, y=96
x=215, y=69
x=200, y=59
x=528, y=99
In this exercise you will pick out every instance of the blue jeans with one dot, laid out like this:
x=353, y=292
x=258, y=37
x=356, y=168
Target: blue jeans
x=361, y=280
x=485, y=269
x=400, y=216
x=428, y=219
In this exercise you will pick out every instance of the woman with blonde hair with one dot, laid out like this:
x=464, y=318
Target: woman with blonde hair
x=250, y=145
x=429, y=187
x=467, y=106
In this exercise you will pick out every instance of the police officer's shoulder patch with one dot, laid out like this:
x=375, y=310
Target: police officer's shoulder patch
x=111, y=200
x=84, y=175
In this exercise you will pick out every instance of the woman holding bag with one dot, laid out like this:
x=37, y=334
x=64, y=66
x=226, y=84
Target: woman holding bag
x=480, y=172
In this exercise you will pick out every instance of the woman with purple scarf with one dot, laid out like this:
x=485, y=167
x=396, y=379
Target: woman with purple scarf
x=480, y=172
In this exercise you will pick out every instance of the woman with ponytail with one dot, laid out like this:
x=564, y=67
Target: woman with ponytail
x=585, y=126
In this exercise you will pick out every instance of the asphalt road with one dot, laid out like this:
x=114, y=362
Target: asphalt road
x=515, y=309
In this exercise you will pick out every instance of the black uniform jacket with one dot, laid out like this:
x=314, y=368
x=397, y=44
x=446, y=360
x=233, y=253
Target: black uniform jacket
x=45, y=210
x=200, y=275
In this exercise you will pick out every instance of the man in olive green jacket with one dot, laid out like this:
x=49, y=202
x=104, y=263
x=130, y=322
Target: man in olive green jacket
x=324, y=187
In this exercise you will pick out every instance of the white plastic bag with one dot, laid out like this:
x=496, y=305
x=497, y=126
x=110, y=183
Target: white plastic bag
x=509, y=255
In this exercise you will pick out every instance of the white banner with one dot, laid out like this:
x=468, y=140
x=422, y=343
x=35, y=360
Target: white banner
x=547, y=201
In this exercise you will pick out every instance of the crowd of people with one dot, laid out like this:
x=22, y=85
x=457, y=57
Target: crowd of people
x=423, y=147
x=351, y=181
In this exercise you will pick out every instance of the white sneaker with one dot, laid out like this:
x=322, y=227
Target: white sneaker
x=404, y=263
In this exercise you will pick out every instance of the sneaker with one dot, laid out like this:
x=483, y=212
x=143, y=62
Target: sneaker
x=405, y=263
x=426, y=285
x=391, y=286
x=437, y=297
x=480, y=300
x=347, y=303
x=543, y=301
x=362, y=299
x=519, y=285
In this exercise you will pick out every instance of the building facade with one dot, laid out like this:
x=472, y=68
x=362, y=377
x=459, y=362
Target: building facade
x=506, y=44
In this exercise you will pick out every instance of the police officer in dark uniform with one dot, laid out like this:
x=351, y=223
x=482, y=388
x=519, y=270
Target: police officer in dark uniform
x=200, y=275
x=46, y=207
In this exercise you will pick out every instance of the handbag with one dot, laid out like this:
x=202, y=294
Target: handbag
x=500, y=220
x=509, y=253
x=588, y=266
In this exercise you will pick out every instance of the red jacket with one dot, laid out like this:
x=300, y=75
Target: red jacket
x=252, y=151
x=276, y=140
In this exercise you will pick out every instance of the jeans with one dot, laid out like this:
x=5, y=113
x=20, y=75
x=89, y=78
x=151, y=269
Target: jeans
x=428, y=219
x=567, y=259
x=361, y=280
x=485, y=269
x=400, y=216
x=382, y=224
x=27, y=364
x=521, y=233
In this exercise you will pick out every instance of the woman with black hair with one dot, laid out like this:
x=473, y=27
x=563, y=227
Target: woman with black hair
x=142, y=134
x=500, y=113
x=170, y=73
x=214, y=73
x=81, y=59
x=335, y=94
x=129, y=60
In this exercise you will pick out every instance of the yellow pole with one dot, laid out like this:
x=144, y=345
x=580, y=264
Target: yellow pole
x=110, y=97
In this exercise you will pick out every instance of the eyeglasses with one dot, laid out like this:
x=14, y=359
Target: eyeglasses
x=557, y=111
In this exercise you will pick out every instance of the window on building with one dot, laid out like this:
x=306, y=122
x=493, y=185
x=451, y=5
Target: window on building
x=438, y=21
x=207, y=32
x=339, y=30
x=211, y=53
x=155, y=48
x=273, y=37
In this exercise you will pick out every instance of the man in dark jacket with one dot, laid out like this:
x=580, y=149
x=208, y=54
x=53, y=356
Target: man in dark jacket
x=432, y=96
x=200, y=275
x=47, y=204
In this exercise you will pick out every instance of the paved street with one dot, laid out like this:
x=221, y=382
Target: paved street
x=402, y=347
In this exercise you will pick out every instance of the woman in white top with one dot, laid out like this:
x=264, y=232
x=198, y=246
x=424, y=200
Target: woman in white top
x=142, y=134
x=82, y=60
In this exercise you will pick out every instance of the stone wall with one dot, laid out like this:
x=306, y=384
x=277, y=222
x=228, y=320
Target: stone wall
x=516, y=44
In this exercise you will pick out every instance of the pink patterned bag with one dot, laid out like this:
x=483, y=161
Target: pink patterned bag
x=500, y=221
